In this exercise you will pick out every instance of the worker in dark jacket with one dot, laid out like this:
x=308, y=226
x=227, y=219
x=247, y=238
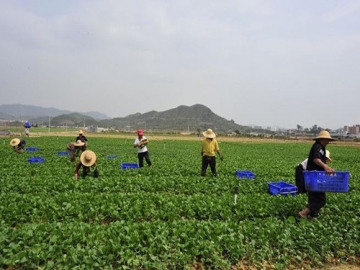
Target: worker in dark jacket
x=82, y=138
x=299, y=176
x=317, y=162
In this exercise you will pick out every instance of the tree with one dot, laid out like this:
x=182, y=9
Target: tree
x=314, y=129
x=299, y=127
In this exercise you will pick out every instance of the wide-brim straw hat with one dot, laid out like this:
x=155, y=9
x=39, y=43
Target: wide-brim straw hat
x=14, y=142
x=327, y=154
x=209, y=134
x=88, y=158
x=324, y=135
x=79, y=143
x=81, y=131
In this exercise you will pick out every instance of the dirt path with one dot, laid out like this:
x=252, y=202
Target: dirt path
x=161, y=137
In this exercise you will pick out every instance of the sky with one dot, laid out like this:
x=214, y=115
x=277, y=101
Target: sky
x=269, y=63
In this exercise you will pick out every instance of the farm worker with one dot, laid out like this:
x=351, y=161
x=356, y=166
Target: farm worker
x=209, y=148
x=317, y=161
x=141, y=144
x=18, y=145
x=82, y=138
x=74, y=148
x=299, y=177
x=88, y=162
x=27, y=127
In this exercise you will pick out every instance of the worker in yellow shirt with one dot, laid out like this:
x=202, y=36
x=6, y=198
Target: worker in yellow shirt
x=208, y=150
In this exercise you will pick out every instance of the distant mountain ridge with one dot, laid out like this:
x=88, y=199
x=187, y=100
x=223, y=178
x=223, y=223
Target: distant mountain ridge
x=26, y=112
x=183, y=118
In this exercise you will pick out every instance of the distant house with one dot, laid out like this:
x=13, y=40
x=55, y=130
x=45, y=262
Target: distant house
x=92, y=129
x=352, y=130
x=338, y=133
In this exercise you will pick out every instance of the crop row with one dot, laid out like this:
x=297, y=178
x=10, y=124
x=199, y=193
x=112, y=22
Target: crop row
x=138, y=207
x=174, y=244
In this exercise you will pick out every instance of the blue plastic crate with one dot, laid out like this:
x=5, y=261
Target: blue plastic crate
x=32, y=149
x=110, y=157
x=60, y=153
x=245, y=174
x=36, y=160
x=282, y=188
x=324, y=182
x=129, y=166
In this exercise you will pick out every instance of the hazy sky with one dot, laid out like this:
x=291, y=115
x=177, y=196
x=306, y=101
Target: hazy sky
x=270, y=63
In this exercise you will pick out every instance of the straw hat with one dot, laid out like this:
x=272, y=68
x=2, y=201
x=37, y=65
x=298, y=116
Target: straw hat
x=327, y=154
x=209, y=134
x=324, y=135
x=88, y=158
x=14, y=142
x=79, y=143
x=81, y=132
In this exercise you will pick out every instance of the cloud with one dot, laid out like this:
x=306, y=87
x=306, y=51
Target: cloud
x=246, y=60
x=343, y=12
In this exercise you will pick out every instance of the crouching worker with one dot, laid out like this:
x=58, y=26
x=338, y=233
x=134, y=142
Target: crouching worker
x=88, y=162
x=18, y=145
x=74, y=148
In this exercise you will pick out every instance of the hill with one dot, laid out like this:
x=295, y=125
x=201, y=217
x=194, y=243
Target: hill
x=7, y=117
x=73, y=119
x=30, y=112
x=183, y=118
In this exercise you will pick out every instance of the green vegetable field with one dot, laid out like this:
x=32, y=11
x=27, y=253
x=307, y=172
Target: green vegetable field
x=170, y=217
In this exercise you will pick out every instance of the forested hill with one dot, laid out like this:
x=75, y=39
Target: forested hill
x=182, y=118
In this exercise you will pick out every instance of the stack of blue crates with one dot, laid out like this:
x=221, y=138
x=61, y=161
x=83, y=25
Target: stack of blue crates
x=129, y=166
x=110, y=157
x=32, y=149
x=245, y=174
x=36, y=160
x=282, y=188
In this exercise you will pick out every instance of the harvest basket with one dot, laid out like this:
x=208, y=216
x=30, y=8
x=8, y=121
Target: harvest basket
x=324, y=182
x=282, y=188
x=245, y=174
x=111, y=157
x=129, y=166
x=32, y=149
x=36, y=160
